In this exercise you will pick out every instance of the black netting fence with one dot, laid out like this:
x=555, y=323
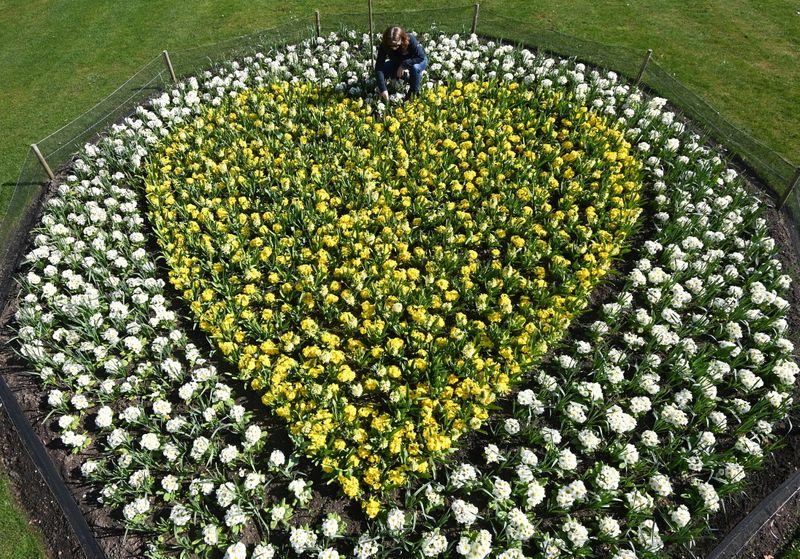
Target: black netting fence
x=776, y=173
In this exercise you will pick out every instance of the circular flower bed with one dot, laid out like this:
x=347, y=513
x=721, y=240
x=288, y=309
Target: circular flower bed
x=388, y=281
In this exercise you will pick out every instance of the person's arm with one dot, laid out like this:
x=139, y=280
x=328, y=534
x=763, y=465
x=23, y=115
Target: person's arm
x=416, y=53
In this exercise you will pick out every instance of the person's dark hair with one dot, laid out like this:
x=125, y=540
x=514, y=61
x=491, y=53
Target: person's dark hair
x=395, y=38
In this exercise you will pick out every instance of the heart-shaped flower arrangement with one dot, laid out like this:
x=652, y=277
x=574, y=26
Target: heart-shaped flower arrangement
x=381, y=278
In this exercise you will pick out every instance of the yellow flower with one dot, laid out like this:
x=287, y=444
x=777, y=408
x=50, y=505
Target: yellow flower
x=371, y=508
x=345, y=374
x=350, y=486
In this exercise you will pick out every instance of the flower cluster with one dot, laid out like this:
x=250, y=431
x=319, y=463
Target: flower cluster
x=621, y=444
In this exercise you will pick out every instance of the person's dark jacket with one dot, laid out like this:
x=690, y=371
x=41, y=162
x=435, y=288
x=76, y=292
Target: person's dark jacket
x=414, y=54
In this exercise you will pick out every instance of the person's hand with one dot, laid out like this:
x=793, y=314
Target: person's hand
x=385, y=96
x=401, y=72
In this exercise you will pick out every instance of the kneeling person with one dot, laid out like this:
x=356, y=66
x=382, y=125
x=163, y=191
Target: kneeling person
x=400, y=56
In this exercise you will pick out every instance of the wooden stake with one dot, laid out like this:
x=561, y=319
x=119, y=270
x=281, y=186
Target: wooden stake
x=475, y=18
x=168, y=62
x=644, y=66
x=792, y=185
x=43, y=161
x=371, y=36
x=319, y=25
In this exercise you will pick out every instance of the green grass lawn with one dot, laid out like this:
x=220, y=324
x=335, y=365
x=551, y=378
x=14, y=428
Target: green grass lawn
x=59, y=58
x=792, y=552
x=17, y=541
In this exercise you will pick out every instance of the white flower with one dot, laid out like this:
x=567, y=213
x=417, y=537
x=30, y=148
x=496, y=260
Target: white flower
x=234, y=516
x=609, y=526
x=535, y=494
x=277, y=459
x=253, y=481
x=330, y=527
x=226, y=494
x=433, y=543
x=526, y=397
x=650, y=439
x=131, y=414
x=80, y=402
x=639, y=405
x=278, y=513
x=576, y=412
x=56, y=398
x=464, y=475
x=149, y=441
x=180, y=515
x=638, y=502
x=492, y=454
x=134, y=344
x=199, y=447
x=619, y=421
x=607, y=478
x=302, y=539
x=396, y=520
x=170, y=452
x=528, y=457
x=264, y=551
x=708, y=494
x=511, y=426
x=672, y=144
x=162, y=408
x=228, y=454
x=88, y=467
x=512, y=553
x=674, y=416
x=576, y=532
x=550, y=436
x=649, y=536
x=567, y=362
x=236, y=551
x=364, y=549
x=524, y=473
x=170, y=483
x=328, y=553
x=568, y=494
x=591, y=390
x=136, y=508
x=680, y=516
x=105, y=417
x=733, y=472
x=748, y=446
x=660, y=484
x=567, y=460
x=210, y=534
x=519, y=526
x=628, y=456
x=117, y=437
x=433, y=496
x=298, y=487
x=464, y=513
x=786, y=370
x=589, y=440
x=476, y=547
